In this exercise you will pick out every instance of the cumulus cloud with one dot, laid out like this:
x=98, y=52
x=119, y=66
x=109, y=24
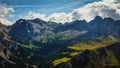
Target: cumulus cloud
x=102, y=8
x=88, y=12
x=55, y=17
x=32, y=15
x=5, y=14
x=60, y=17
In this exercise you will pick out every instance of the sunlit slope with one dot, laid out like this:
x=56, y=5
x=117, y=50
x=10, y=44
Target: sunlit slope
x=79, y=48
x=91, y=45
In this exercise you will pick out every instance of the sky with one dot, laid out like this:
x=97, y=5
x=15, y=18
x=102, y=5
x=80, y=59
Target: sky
x=59, y=11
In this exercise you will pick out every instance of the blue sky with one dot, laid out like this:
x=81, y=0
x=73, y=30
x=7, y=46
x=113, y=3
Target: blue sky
x=22, y=7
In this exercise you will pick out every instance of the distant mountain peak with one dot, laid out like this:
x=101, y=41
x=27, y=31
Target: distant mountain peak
x=96, y=21
x=80, y=21
x=20, y=21
x=109, y=19
x=38, y=28
x=98, y=18
x=37, y=20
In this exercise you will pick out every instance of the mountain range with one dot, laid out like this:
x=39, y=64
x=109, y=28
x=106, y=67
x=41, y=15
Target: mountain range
x=78, y=44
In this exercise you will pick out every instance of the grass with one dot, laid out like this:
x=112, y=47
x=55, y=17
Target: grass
x=48, y=39
x=30, y=55
x=31, y=46
x=65, y=52
x=114, y=60
x=61, y=60
x=77, y=49
x=74, y=53
x=65, y=37
x=71, y=53
x=44, y=40
x=91, y=45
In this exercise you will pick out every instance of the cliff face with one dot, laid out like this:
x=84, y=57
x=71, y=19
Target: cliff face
x=11, y=53
x=107, y=57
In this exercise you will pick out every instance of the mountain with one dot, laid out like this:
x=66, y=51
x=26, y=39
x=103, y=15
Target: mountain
x=31, y=29
x=78, y=25
x=103, y=27
x=38, y=29
x=105, y=57
x=8, y=49
x=78, y=44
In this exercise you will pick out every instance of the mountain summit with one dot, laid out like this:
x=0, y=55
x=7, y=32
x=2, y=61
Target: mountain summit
x=26, y=30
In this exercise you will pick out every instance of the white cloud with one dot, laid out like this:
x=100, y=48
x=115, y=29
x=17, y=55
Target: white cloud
x=32, y=15
x=88, y=12
x=55, y=17
x=5, y=14
x=103, y=8
x=60, y=17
